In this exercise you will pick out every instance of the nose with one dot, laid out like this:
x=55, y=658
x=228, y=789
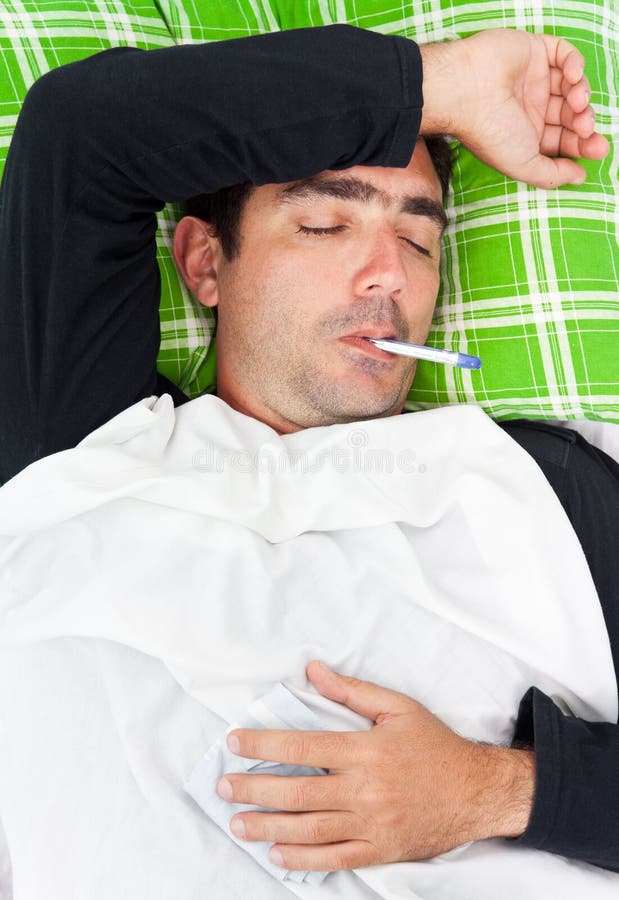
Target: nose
x=380, y=267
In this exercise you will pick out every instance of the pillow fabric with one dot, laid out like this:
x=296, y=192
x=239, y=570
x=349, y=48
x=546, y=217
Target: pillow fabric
x=530, y=278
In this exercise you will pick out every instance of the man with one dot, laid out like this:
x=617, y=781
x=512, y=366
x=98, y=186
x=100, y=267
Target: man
x=325, y=257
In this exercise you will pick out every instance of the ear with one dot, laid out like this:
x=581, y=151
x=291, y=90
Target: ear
x=197, y=253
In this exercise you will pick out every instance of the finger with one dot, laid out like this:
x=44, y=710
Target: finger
x=556, y=81
x=578, y=95
x=324, y=749
x=594, y=147
x=559, y=113
x=548, y=173
x=582, y=124
x=557, y=141
x=326, y=857
x=561, y=87
x=290, y=792
x=298, y=828
x=364, y=697
x=563, y=55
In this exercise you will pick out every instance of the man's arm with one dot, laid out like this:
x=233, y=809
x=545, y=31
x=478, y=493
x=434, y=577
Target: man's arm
x=576, y=807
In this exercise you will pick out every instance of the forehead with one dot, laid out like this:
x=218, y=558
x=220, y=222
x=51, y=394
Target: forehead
x=415, y=189
x=390, y=184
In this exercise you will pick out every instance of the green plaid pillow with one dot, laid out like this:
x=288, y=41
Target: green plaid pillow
x=530, y=278
x=193, y=22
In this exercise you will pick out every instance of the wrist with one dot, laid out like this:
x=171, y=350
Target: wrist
x=505, y=791
x=444, y=74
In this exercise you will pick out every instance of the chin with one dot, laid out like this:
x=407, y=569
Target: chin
x=362, y=411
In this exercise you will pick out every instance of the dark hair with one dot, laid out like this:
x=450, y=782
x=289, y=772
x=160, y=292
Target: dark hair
x=224, y=208
x=442, y=158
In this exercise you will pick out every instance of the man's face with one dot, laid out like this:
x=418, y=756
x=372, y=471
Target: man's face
x=322, y=260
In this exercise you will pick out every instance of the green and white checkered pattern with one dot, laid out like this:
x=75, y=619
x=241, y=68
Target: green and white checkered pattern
x=530, y=278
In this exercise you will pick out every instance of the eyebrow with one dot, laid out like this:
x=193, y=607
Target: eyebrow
x=360, y=191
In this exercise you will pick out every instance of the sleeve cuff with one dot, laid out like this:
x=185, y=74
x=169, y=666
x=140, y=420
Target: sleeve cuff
x=409, y=118
x=575, y=809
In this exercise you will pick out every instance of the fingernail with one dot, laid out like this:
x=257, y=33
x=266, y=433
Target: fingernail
x=224, y=789
x=233, y=743
x=276, y=857
x=237, y=827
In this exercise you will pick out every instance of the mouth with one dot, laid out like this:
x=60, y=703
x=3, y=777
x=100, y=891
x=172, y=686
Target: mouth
x=372, y=333
x=359, y=340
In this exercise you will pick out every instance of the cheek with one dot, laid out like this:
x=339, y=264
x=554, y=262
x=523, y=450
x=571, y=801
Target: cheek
x=423, y=279
x=273, y=297
x=270, y=265
x=302, y=281
x=433, y=284
x=253, y=283
x=318, y=264
x=424, y=285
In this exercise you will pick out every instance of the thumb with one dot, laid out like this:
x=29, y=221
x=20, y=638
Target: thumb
x=544, y=172
x=363, y=697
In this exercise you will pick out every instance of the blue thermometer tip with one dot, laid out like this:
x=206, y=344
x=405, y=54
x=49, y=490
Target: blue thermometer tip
x=468, y=362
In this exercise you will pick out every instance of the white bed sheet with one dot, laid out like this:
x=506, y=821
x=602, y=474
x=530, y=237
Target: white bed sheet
x=603, y=435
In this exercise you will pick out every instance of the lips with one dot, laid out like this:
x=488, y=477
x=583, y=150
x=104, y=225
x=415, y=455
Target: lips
x=358, y=341
x=371, y=333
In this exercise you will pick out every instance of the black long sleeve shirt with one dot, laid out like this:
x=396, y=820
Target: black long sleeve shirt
x=100, y=146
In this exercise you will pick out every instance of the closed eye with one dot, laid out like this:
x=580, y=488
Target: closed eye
x=423, y=250
x=337, y=228
x=333, y=230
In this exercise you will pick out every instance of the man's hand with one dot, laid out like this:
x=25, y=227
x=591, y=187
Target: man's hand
x=410, y=788
x=517, y=101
